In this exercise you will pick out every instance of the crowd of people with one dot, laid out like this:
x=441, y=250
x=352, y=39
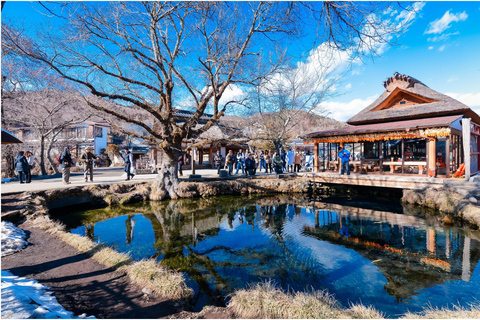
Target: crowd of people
x=270, y=162
x=246, y=163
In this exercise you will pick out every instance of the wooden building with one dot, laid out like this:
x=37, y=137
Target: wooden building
x=409, y=129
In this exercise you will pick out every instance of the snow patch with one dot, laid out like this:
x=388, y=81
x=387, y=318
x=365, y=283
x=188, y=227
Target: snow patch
x=27, y=299
x=13, y=238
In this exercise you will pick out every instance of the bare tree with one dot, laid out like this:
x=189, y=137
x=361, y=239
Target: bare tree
x=155, y=56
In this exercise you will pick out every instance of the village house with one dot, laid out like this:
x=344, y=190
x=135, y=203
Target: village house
x=409, y=129
x=86, y=134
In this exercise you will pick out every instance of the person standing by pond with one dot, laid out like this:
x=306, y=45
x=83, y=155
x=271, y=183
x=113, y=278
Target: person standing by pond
x=21, y=166
x=250, y=165
x=230, y=161
x=128, y=160
x=218, y=161
x=278, y=164
x=344, y=155
x=87, y=159
x=240, y=161
x=262, y=162
x=31, y=162
x=268, y=162
x=65, y=164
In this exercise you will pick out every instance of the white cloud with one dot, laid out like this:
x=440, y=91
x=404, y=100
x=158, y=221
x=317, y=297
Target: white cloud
x=470, y=99
x=453, y=78
x=442, y=24
x=442, y=48
x=445, y=36
x=342, y=111
x=348, y=86
x=431, y=48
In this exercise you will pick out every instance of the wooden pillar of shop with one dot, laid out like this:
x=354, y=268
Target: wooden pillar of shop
x=362, y=156
x=403, y=156
x=466, y=134
x=323, y=150
x=315, y=158
x=329, y=155
x=380, y=155
x=200, y=156
x=447, y=157
x=431, y=157
x=210, y=155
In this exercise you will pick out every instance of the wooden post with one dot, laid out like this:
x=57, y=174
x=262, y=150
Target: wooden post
x=431, y=152
x=447, y=156
x=466, y=134
x=362, y=156
x=403, y=156
x=380, y=148
x=315, y=159
x=192, y=159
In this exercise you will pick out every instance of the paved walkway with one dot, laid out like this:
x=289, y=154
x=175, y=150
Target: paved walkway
x=100, y=176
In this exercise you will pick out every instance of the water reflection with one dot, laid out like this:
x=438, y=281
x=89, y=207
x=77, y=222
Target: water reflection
x=394, y=261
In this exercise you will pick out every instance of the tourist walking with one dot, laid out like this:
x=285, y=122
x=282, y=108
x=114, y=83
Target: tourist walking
x=181, y=162
x=21, y=166
x=290, y=160
x=87, y=159
x=65, y=164
x=268, y=162
x=230, y=161
x=128, y=160
x=218, y=161
x=250, y=165
x=240, y=161
x=344, y=155
x=262, y=162
x=298, y=162
x=31, y=163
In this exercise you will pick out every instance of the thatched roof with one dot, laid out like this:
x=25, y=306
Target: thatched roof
x=408, y=98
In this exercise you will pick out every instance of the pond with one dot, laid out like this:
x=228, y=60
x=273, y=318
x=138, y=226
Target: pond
x=377, y=253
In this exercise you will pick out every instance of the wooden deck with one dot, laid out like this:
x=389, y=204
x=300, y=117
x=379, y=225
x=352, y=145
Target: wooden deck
x=376, y=180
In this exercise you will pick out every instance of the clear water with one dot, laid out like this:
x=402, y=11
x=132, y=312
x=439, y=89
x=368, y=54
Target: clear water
x=379, y=254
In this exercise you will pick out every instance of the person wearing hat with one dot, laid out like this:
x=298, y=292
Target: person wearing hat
x=87, y=159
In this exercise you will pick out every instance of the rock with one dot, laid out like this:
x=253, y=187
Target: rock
x=147, y=291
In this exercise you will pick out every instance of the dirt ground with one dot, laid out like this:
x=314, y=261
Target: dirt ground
x=82, y=285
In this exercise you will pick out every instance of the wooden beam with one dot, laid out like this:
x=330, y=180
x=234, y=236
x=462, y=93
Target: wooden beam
x=466, y=134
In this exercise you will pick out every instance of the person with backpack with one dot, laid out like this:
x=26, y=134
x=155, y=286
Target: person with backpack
x=128, y=160
x=277, y=164
x=250, y=165
x=262, y=162
x=65, y=160
x=87, y=158
x=21, y=166
x=268, y=162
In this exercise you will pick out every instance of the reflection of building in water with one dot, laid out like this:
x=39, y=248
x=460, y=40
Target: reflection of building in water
x=410, y=257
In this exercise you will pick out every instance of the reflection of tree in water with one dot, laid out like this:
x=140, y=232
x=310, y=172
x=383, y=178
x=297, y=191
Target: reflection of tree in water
x=129, y=224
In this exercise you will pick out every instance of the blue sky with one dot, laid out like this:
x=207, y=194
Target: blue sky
x=441, y=48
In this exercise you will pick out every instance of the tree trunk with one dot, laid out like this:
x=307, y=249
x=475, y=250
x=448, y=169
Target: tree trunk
x=52, y=163
x=42, y=156
x=9, y=166
x=166, y=184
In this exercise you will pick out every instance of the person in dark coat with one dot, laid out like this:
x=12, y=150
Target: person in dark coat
x=181, y=162
x=87, y=159
x=250, y=165
x=128, y=159
x=218, y=161
x=65, y=164
x=21, y=166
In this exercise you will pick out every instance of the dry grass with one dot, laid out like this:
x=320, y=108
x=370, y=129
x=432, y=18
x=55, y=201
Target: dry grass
x=146, y=274
x=456, y=312
x=266, y=301
x=167, y=283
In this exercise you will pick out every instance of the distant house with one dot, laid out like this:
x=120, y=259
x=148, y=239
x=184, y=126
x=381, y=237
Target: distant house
x=410, y=128
x=86, y=134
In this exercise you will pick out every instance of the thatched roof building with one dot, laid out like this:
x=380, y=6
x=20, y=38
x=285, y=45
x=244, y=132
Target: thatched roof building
x=410, y=124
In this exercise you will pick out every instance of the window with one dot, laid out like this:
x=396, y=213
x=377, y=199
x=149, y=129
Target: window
x=98, y=132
